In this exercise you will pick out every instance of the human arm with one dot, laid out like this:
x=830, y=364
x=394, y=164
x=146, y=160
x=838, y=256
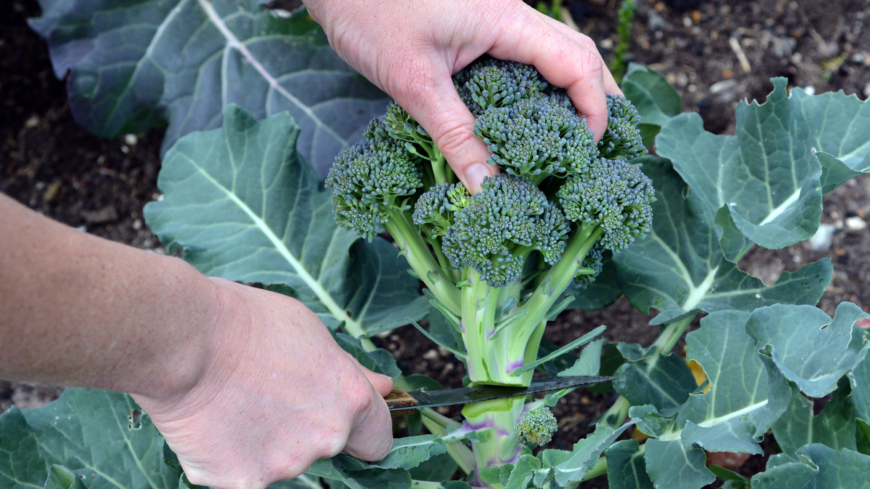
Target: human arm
x=411, y=49
x=232, y=376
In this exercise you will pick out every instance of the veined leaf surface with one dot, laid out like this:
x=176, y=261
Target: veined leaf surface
x=245, y=207
x=679, y=268
x=768, y=176
x=137, y=64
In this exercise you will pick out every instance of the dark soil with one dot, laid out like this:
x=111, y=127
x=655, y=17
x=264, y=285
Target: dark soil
x=50, y=164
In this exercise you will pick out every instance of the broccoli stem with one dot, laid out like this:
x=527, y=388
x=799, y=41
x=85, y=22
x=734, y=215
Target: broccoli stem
x=421, y=259
x=501, y=445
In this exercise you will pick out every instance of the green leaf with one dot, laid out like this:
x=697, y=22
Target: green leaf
x=808, y=347
x=859, y=379
x=816, y=467
x=245, y=208
x=834, y=427
x=586, y=452
x=89, y=433
x=137, y=64
x=586, y=338
x=347, y=470
x=438, y=468
x=679, y=268
x=523, y=472
x=744, y=398
x=768, y=175
x=671, y=465
x=380, y=361
x=664, y=381
x=408, y=452
x=59, y=477
x=304, y=481
x=655, y=99
x=723, y=474
x=589, y=363
x=626, y=468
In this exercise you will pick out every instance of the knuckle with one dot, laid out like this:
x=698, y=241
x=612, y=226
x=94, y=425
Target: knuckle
x=453, y=137
x=329, y=443
x=591, y=63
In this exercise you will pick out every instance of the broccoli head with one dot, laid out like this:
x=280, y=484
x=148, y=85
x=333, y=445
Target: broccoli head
x=622, y=140
x=614, y=195
x=368, y=181
x=537, y=136
x=490, y=82
x=591, y=268
x=537, y=427
x=501, y=225
x=436, y=207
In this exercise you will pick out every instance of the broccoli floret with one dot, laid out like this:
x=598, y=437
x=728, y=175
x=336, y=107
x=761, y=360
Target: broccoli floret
x=622, y=140
x=489, y=82
x=537, y=427
x=537, y=137
x=437, y=206
x=613, y=194
x=592, y=262
x=368, y=181
x=501, y=225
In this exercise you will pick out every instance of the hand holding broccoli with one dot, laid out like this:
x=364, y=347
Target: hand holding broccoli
x=411, y=49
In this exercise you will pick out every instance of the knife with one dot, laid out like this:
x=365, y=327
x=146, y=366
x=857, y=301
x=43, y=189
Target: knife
x=401, y=403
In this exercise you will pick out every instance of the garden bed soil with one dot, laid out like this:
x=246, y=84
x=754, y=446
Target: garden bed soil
x=716, y=53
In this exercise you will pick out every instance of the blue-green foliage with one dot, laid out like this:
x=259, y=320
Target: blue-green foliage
x=537, y=427
x=505, y=221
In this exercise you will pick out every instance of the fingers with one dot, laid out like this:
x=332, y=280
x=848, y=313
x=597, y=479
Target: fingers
x=566, y=61
x=382, y=383
x=371, y=435
x=435, y=104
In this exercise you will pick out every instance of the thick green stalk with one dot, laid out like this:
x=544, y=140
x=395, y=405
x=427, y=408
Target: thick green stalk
x=422, y=261
x=501, y=445
x=437, y=425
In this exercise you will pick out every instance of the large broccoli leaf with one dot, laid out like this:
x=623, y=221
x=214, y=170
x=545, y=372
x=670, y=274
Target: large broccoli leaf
x=656, y=100
x=769, y=176
x=679, y=268
x=102, y=437
x=245, y=207
x=834, y=427
x=137, y=64
x=815, y=467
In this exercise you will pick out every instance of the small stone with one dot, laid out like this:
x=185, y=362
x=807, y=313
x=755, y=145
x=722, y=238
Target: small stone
x=125, y=149
x=867, y=90
x=443, y=352
x=131, y=139
x=855, y=223
x=101, y=216
x=52, y=191
x=725, y=90
x=811, y=90
x=430, y=355
x=687, y=21
x=32, y=122
x=606, y=43
x=137, y=224
x=821, y=241
x=655, y=22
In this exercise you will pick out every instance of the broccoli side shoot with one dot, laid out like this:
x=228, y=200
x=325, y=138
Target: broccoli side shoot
x=369, y=180
x=622, y=140
x=502, y=224
x=537, y=427
x=537, y=137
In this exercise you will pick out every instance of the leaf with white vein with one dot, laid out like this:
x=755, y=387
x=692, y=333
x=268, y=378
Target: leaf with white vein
x=244, y=207
x=679, y=268
x=815, y=467
x=768, y=175
x=137, y=64
x=834, y=427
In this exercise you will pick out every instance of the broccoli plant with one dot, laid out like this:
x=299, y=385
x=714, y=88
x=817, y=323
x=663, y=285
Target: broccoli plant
x=497, y=263
x=567, y=223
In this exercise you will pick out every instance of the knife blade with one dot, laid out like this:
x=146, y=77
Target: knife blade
x=401, y=403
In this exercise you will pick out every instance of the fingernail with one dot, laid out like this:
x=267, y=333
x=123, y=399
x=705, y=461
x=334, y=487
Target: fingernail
x=386, y=377
x=475, y=174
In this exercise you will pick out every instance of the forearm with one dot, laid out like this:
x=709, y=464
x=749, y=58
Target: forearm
x=79, y=310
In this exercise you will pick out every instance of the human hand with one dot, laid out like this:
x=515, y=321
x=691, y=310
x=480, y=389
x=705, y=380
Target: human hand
x=411, y=49
x=276, y=395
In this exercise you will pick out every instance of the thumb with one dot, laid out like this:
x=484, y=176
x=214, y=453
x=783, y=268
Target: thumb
x=382, y=383
x=437, y=107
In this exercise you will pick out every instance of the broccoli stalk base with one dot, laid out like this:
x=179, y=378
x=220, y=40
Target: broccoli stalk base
x=498, y=347
x=501, y=446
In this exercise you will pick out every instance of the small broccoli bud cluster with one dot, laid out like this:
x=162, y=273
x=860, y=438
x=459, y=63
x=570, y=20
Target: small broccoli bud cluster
x=436, y=207
x=502, y=223
x=622, y=140
x=613, y=194
x=537, y=136
x=537, y=427
x=367, y=181
x=593, y=261
x=494, y=83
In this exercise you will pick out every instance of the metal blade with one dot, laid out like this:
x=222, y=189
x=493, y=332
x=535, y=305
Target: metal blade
x=479, y=393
